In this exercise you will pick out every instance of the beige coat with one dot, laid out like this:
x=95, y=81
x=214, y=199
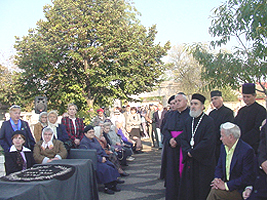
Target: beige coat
x=39, y=153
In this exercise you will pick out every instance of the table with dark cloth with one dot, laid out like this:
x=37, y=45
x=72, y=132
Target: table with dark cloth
x=81, y=185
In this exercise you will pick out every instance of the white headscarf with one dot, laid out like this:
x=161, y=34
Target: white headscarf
x=49, y=144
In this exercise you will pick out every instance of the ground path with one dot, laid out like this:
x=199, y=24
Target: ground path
x=143, y=182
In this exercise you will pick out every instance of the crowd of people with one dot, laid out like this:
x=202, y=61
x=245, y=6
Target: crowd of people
x=214, y=156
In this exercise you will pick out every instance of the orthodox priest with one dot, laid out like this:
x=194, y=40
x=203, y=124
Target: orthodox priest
x=250, y=117
x=171, y=165
x=198, y=147
x=220, y=115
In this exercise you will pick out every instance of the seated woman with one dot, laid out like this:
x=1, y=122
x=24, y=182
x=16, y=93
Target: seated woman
x=116, y=144
x=18, y=157
x=112, y=157
x=38, y=127
x=133, y=128
x=106, y=172
x=49, y=149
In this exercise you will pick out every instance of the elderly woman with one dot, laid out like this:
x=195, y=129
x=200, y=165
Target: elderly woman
x=38, y=127
x=49, y=149
x=59, y=130
x=73, y=125
x=18, y=157
x=112, y=156
x=14, y=124
x=133, y=128
x=106, y=172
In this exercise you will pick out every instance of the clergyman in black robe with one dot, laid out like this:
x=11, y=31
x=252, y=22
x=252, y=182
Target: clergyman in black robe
x=172, y=127
x=250, y=117
x=220, y=115
x=198, y=146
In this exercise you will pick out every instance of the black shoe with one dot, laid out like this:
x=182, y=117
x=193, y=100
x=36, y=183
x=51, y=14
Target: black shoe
x=119, y=181
x=115, y=189
x=109, y=191
x=124, y=174
x=138, y=152
x=125, y=164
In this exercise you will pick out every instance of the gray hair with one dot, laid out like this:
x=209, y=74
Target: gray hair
x=183, y=95
x=47, y=129
x=231, y=129
x=41, y=114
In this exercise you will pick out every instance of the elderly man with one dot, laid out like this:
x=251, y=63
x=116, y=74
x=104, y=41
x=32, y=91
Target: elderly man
x=171, y=165
x=12, y=125
x=220, y=115
x=198, y=147
x=250, y=117
x=235, y=169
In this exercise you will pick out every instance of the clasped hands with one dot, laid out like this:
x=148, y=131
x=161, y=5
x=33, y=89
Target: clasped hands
x=217, y=183
x=173, y=143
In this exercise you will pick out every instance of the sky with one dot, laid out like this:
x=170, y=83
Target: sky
x=179, y=21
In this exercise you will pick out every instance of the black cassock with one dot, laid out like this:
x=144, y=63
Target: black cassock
x=249, y=119
x=173, y=121
x=220, y=116
x=198, y=171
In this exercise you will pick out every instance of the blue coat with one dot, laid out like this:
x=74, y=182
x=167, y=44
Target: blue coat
x=242, y=168
x=105, y=172
x=7, y=130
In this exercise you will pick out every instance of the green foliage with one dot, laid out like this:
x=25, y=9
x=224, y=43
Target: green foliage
x=244, y=20
x=89, y=51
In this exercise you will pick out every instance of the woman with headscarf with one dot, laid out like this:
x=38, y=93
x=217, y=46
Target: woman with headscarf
x=74, y=125
x=38, y=127
x=49, y=149
x=14, y=124
x=18, y=157
x=106, y=172
x=59, y=130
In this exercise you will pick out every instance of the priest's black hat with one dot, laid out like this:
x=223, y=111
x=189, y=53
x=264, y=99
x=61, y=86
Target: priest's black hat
x=171, y=98
x=248, y=88
x=215, y=93
x=199, y=97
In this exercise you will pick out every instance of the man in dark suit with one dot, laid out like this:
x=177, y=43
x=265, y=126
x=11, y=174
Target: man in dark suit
x=235, y=169
x=14, y=124
x=158, y=116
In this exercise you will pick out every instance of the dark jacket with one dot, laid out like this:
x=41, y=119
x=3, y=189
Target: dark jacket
x=11, y=164
x=242, y=167
x=6, y=133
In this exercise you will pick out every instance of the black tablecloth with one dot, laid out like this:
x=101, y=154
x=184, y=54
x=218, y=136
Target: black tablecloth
x=82, y=185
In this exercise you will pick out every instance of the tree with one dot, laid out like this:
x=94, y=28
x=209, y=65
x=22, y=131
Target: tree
x=244, y=20
x=185, y=70
x=89, y=51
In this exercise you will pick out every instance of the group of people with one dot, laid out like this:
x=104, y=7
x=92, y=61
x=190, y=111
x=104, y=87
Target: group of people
x=217, y=156
x=214, y=156
x=52, y=140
